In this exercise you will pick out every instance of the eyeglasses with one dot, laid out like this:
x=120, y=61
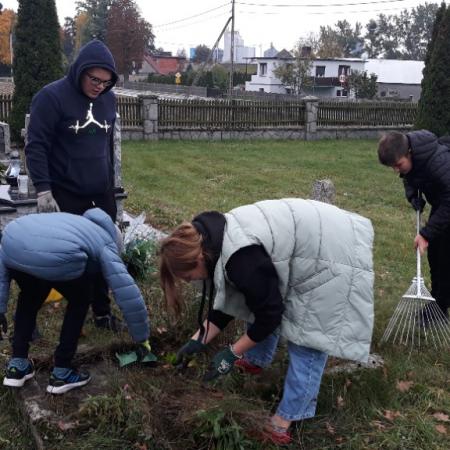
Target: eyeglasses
x=97, y=82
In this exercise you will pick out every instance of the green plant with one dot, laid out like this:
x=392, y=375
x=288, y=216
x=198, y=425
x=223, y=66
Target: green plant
x=220, y=429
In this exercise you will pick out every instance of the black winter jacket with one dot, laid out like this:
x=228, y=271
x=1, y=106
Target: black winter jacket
x=430, y=174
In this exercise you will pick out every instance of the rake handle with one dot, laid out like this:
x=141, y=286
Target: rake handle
x=417, y=249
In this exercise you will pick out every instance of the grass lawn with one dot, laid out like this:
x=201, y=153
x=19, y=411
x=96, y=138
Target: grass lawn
x=405, y=405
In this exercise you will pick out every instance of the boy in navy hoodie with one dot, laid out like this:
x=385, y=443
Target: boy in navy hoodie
x=69, y=150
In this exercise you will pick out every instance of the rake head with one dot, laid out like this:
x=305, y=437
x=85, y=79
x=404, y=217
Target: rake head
x=418, y=321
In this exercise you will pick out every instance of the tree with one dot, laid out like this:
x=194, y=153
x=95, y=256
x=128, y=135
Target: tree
x=128, y=36
x=295, y=74
x=434, y=103
x=68, y=40
x=201, y=53
x=37, y=55
x=402, y=36
x=97, y=18
x=362, y=85
x=81, y=21
x=7, y=18
x=342, y=41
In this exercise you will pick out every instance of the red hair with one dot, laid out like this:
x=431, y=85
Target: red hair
x=178, y=253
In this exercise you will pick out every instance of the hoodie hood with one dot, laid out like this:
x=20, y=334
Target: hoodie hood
x=211, y=225
x=94, y=54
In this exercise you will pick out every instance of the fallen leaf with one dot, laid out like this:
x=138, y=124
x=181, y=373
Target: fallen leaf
x=378, y=425
x=340, y=402
x=339, y=440
x=348, y=383
x=63, y=426
x=330, y=428
x=391, y=415
x=441, y=417
x=441, y=429
x=404, y=386
x=141, y=446
x=161, y=330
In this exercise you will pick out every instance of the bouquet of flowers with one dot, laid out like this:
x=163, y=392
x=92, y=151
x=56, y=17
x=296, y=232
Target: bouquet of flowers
x=140, y=244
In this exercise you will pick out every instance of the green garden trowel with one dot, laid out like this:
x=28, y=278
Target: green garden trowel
x=125, y=359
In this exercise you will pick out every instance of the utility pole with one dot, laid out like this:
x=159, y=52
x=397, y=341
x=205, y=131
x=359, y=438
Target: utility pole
x=230, y=93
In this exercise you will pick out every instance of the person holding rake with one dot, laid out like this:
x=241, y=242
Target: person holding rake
x=423, y=163
x=294, y=269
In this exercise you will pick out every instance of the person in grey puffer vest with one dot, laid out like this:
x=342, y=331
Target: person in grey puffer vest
x=423, y=162
x=64, y=251
x=294, y=268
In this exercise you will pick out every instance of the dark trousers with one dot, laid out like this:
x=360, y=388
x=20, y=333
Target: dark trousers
x=439, y=261
x=75, y=204
x=33, y=292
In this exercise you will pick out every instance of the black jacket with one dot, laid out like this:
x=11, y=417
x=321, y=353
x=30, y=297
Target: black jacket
x=430, y=174
x=60, y=151
x=251, y=271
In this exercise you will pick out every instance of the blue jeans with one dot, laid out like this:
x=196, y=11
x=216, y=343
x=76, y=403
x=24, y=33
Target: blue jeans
x=302, y=383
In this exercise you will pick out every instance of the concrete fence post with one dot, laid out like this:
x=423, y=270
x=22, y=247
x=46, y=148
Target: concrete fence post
x=311, y=110
x=150, y=116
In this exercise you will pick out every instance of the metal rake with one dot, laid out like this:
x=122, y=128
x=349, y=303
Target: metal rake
x=418, y=321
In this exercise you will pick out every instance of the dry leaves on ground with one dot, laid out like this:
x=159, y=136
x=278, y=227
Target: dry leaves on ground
x=391, y=415
x=441, y=417
x=404, y=386
x=441, y=429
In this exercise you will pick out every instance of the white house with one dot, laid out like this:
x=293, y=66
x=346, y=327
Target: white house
x=396, y=78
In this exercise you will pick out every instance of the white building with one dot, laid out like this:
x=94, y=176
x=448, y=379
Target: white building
x=396, y=78
x=241, y=53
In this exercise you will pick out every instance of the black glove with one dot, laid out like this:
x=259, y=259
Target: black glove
x=418, y=203
x=3, y=324
x=221, y=364
x=187, y=352
x=143, y=349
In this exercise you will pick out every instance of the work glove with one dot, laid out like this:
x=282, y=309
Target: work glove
x=418, y=203
x=3, y=325
x=143, y=349
x=221, y=364
x=187, y=352
x=46, y=202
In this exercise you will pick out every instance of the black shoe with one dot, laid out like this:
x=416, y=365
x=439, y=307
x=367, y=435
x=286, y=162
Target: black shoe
x=110, y=322
x=71, y=381
x=15, y=377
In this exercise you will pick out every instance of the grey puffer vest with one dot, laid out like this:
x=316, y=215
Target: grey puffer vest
x=323, y=258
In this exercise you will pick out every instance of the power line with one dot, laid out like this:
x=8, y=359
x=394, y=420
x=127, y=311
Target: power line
x=192, y=23
x=276, y=13
x=320, y=5
x=192, y=17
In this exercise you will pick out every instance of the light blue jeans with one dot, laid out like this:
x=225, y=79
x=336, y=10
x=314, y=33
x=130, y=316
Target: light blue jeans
x=302, y=383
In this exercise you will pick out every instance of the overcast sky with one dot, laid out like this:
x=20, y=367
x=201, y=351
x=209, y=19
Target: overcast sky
x=183, y=24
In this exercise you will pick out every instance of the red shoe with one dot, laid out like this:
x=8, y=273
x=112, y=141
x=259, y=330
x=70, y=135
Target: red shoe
x=245, y=366
x=276, y=435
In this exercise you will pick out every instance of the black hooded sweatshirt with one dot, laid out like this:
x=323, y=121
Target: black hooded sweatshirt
x=79, y=160
x=250, y=270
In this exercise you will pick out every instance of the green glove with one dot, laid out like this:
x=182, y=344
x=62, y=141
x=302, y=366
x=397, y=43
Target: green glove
x=187, y=352
x=221, y=364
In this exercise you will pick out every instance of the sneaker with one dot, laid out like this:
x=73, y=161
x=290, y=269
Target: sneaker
x=71, y=381
x=15, y=377
x=110, y=322
x=276, y=435
x=245, y=366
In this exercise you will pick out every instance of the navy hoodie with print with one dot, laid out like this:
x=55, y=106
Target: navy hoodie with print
x=60, y=151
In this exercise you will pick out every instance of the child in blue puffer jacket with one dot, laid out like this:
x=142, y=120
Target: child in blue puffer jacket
x=64, y=251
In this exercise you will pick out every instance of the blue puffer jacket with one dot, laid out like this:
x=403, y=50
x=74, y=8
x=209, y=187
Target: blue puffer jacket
x=61, y=247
